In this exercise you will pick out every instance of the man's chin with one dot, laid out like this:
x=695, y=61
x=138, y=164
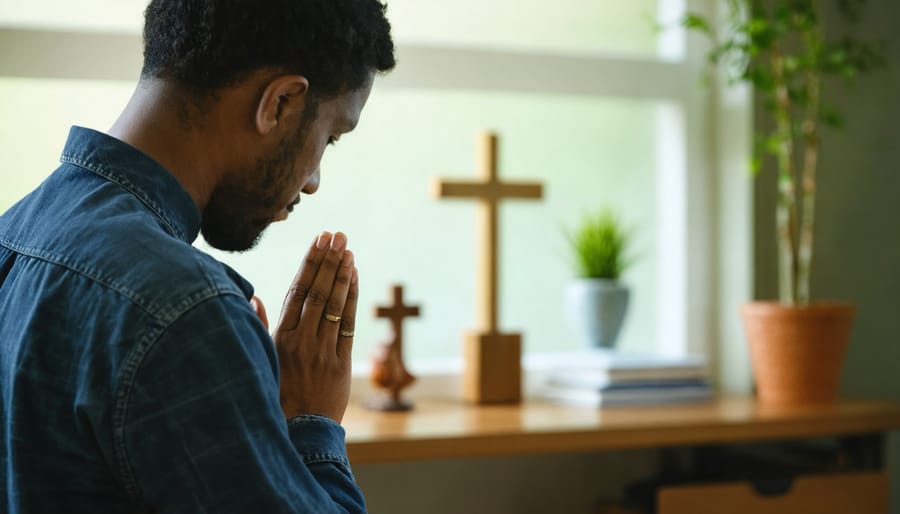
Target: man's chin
x=233, y=241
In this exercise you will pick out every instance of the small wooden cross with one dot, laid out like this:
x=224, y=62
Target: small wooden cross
x=389, y=373
x=492, y=372
x=397, y=312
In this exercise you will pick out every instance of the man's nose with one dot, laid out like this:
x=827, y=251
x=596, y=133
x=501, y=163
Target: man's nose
x=312, y=185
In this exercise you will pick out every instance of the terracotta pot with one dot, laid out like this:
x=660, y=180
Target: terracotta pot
x=797, y=352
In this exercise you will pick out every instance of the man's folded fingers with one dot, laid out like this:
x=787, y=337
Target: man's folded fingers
x=321, y=291
x=335, y=317
x=292, y=307
x=348, y=320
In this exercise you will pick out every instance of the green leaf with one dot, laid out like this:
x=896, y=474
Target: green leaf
x=772, y=144
x=696, y=22
x=755, y=165
x=761, y=78
x=791, y=64
x=758, y=27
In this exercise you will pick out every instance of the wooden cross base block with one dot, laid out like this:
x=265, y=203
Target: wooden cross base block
x=492, y=372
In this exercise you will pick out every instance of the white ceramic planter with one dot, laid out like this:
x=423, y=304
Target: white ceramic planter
x=597, y=307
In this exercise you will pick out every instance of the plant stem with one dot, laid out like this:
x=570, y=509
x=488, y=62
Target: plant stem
x=786, y=215
x=810, y=160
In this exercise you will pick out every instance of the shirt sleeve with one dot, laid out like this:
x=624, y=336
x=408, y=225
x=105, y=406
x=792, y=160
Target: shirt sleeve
x=203, y=429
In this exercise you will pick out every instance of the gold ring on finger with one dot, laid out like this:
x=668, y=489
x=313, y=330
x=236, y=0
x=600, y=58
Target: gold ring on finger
x=347, y=333
x=332, y=317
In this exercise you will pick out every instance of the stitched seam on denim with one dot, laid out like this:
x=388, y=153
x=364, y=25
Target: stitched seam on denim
x=340, y=462
x=317, y=458
x=126, y=383
x=320, y=457
x=127, y=185
x=43, y=255
x=156, y=312
x=300, y=419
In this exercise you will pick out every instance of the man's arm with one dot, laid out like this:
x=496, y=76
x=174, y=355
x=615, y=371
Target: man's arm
x=204, y=430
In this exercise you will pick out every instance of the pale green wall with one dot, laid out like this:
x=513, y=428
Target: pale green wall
x=857, y=249
x=36, y=116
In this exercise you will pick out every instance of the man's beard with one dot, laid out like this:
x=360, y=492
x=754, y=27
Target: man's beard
x=239, y=210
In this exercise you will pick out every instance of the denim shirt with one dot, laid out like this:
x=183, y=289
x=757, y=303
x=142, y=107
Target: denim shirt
x=134, y=375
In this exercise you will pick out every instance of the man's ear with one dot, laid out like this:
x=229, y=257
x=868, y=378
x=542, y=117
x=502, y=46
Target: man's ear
x=283, y=94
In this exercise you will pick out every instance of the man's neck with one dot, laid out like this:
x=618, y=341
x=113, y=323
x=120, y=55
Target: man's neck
x=162, y=123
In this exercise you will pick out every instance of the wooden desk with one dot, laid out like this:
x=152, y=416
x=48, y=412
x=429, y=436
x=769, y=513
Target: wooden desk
x=450, y=429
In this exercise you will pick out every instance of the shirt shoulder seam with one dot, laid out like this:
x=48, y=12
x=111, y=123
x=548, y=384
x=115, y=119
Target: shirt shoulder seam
x=125, y=184
x=43, y=255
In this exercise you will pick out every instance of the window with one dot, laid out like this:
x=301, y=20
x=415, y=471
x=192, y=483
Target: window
x=587, y=98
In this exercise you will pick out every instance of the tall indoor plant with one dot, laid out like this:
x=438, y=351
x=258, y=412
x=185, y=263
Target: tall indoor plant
x=780, y=48
x=597, y=299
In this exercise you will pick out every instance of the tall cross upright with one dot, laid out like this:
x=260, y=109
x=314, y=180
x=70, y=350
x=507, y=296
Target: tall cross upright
x=493, y=368
x=489, y=191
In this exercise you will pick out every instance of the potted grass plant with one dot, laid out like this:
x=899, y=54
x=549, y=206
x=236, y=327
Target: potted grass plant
x=783, y=49
x=598, y=300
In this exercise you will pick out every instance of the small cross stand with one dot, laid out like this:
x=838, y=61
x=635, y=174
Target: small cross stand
x=389, y=373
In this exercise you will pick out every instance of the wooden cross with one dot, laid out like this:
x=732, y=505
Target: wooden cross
x=489, y=192
x=388, y=370
x=492, y=372
x=397, y=312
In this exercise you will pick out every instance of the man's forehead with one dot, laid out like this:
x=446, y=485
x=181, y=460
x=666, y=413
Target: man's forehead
x=344, y=115
x=349, y=106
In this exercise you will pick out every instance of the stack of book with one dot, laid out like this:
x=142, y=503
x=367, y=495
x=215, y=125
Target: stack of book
x=622, y=380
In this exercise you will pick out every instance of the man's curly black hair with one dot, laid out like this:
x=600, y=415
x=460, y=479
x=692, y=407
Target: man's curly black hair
x=207, y=45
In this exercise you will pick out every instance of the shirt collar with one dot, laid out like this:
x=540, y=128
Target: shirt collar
x=139, y=174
